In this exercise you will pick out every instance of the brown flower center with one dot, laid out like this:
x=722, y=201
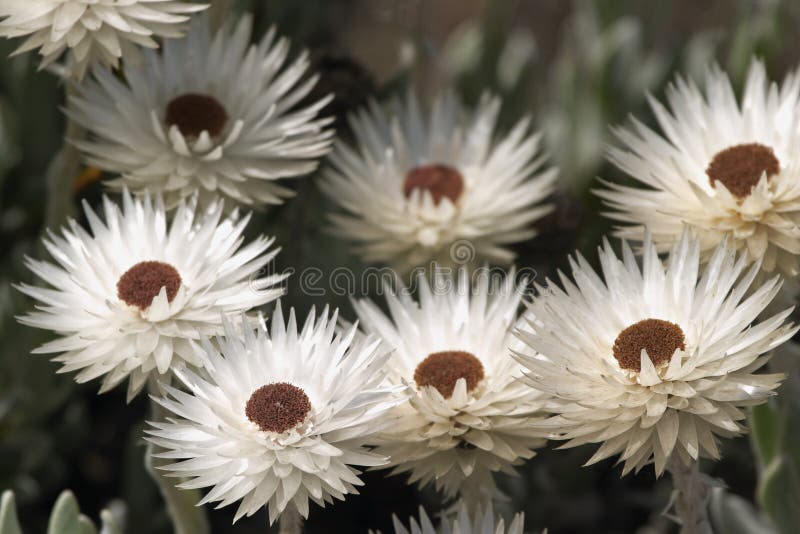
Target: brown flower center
x=659, y=338
x=140, y=284
x=441, y=180
x=278, y=407
x=195, y=113
x=740, y=167
x=443, y=369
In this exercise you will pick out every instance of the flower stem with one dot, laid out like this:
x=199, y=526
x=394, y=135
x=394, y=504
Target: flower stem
x=187, y=518
x=290, y=522
x=691, y=494
x=479, y=490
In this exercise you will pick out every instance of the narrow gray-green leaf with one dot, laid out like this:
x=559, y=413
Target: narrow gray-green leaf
x=85, y=525
x=734, y=515
x=766, y=422
x=187, y=518
x=108, y=523
x=9, y=523
x=64, y=519
x=778, y=489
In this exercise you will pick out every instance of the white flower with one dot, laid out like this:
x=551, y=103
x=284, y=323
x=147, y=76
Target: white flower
x=217, y=115
x=416, y=183
x=127, y=300
x=479, y=523
x=281, y=418
x=94, y=31
x=469, y=413
x=654, y=362
x=724, y=169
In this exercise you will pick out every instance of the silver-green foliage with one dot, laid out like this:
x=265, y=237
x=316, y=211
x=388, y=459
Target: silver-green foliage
x=776, y=440
x=65, y=518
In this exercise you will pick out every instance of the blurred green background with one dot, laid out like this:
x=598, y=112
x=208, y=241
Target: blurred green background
x=577, y=66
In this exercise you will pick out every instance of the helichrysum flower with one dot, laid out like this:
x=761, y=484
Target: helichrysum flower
x=94, y=31
x=279, y=418
x=469, y=413
x=723, y=168
x=208, y=113
x=654, y=363
x=128, y=300
x=416, y=183
x=479, y=522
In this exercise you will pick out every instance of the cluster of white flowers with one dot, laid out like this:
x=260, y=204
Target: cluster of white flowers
x=652, y=363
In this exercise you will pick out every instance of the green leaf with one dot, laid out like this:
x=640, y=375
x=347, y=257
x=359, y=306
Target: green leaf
x=66, y=517
x=776, y=441
x=187, y=518
x=766, y=425
x=9, y=523
x=778, y=490
x=85, y=525
x=732, y=514
x=108, y=523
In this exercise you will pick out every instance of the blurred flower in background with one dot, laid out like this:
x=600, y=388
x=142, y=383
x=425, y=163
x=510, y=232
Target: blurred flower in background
x=94, y=31
x=475, y=521
x=216, y=114
x=419, y=180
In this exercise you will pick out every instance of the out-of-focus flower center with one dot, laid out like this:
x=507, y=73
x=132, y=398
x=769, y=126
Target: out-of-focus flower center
x=443, y=369
x=659, y=338
x=194, y=113
x=440, y=180
x=140, y=284
x=740, y=167
x=278, y=407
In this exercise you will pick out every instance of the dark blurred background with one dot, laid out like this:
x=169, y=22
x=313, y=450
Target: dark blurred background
x=577, y=66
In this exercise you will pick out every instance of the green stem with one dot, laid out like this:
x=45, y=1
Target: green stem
x=691, y=494
x=479, y=490
x=186, y=516
x=290, y=522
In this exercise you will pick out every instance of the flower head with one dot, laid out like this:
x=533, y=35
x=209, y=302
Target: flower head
x=653, y=363
x=210, y=113
x=469, y=413
x=128, y=300
x=418, y=183
x=725, y=169
x=481, y=522
x=94, y=31
x=279, y=418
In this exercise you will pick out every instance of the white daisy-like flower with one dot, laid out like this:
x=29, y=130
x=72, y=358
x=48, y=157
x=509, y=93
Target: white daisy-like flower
x=280, y=418
x=416, y=183
x=469, y=413
x=214, y=114
x=94, y=31
x=482, y=522
x=724, y=169
x=128, y=300
x=654, y=363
